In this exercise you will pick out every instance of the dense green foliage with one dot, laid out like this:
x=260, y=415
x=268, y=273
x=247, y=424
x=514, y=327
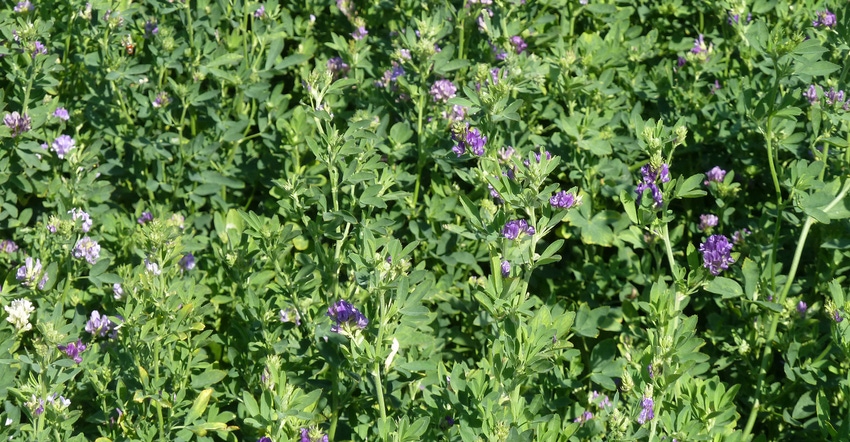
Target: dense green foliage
x=521, y=204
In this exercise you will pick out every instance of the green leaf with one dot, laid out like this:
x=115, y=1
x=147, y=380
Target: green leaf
x=691, y=187
x=725, y=287
x=817, y=69
x=207, y=378
x=199, y=406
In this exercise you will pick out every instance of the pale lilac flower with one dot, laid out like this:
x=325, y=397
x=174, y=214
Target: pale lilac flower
x=101, y=325
x=707, y=221
x=29, y=272
x=8, y=246
x=342, y=312
x=36, y=405
x=38, y=48
x=647, y=413
x=738, y=236
x=145, y=218
x=162, y=99
x=260, y=12
x=801, y=308
x=24, y=7
x=562, y=200
x=586, y=416
x=152, y=267
x=61, y=113
x=443, y=90
x=76, y=214
x=519, y=44
x=187, y=262
x=833, y=97
x=337, y=67
x=360, y=33
x=715, y=175
x=390, y=76
x=699, y=46
x=87, y=249
x=715, y=87
x=19, y=312
x=824, y=18
x=289, y=315
x=514, y=228
x=73, y=350
x=716, y=253
x=62, y=145
x=506, y=153
x=498, y=52
x=117, y=291
x=811, y=94
x=506, y=268
x=17, y=123
x=404, y=54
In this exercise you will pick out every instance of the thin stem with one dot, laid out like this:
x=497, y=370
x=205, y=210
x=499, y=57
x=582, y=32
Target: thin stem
x=419, y=160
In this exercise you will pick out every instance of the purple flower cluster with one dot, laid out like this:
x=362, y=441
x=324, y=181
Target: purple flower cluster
x=289, y=315
x=498, y=52
x=802, y=307
x=151, y=28
x=117, y=291
x=61, y=113
x=735, y=18
x=305, y=436
x=650, y=177
x=30, y=272
x=145, y=218
x=101, y=325
x=824, y=18
x=337, y=67
x=519, y=44
x=38, y=49
x=562, y=200
x=87, y=248
x=187, y=262
x=73, y=350
x=62, y=145
x=707, y=221
x=360, y=33
x=342, y=312
x=24, y=7
x=715, y=175
x=264, y=439
x=76, y=214
x=8, y=246
x=469, y=138
x=162, y=99
x=586, y=416
x=514, y=228
x=506, y=268
x=390, y=76
x=443, y=90
x=811, y=94
x=17, y=123
x=716, y=253
x=647, y=413
x=699, y=46
x=260, y=12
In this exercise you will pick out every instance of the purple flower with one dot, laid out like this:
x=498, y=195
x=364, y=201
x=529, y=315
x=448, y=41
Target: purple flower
x=38, y=49
x=289, y=315
x=151, y=28
x=259, y=13
x=459, y=149
x=498, y=52
x=514, y=228
x=390, y=76
x=649, y=178
x=443, y=90
x=342, y=312
x=187, y=262
x=715, y=87
x=716, y=253
x=738, y=236
x=801, y=308
x=24, y=7
x=707, y=221
x=650, y=371
x=475, y=141
x=715, y=175
x=76, y=214
x=87, y=248
x=29, y=272
x=61, y=113
x=117, y=291
x=586, y=416
x=8, y=246
x=699, y=46
x=518, y=44
x=833, y=97
x=562, y=200
x=73, y=350
x=506, y=268
x=824, y=18
x=506, y=153
x=162, y=99
x=647, y=413
x=811, y=94
x=62, y=145
x=152, y=267
x=305, y=436
x=359, y=33
x=145, y=218
x=337, y=67
x=101, y=325
x=17, y=123
x=681, y=61
x=264, y=439
x=836, y=316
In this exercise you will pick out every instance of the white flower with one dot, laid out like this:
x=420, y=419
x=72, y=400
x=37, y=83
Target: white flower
x=19, y=314
x=152, y=267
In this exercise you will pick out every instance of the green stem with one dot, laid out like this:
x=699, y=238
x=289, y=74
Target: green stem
x=420, y=163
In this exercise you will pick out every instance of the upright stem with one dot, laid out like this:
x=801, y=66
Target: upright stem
x=420, y=162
